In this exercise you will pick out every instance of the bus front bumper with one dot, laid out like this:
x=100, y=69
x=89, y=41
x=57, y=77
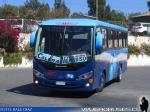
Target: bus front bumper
x=77, y=85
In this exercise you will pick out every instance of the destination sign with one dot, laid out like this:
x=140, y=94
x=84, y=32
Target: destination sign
x=77, y=58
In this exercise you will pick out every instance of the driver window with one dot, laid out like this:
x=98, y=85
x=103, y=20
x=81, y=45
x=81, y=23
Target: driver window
x=42, y=44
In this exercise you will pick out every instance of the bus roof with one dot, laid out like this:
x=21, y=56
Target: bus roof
x=82, y=22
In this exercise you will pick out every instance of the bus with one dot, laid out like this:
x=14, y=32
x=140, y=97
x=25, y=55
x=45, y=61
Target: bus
x=78, y=54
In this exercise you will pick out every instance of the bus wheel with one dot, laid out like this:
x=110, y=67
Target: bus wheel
x=119, y=77
x=102, y=84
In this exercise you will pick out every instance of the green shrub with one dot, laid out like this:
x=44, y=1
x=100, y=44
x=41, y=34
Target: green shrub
x=134, y=50
x=146, y=49
x=12, y=58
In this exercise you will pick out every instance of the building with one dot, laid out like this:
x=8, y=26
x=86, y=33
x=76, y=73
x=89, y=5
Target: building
x=145, y=17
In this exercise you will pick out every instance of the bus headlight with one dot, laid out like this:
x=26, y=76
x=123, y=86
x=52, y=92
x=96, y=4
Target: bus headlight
x=37, y=73
x=85, y=76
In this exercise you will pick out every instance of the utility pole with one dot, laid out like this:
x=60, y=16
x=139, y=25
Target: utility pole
x=97, y=9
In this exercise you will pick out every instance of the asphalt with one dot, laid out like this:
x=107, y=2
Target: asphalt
x=16, y=89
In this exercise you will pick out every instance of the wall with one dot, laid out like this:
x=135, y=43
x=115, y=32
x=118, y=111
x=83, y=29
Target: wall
x=141, y=60
x=26, y=63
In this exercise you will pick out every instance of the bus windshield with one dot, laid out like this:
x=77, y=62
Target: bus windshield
x=60, y=41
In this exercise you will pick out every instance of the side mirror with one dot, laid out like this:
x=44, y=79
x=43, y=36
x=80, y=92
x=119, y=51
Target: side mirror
x=99, y=41
x=32, y=39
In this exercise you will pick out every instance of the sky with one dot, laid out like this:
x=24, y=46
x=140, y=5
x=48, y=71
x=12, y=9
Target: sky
x=126, y=6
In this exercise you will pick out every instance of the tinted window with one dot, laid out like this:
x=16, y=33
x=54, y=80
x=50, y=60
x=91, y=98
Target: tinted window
x=63, y=40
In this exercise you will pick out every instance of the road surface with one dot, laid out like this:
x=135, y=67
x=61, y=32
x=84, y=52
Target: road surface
x=16, y=89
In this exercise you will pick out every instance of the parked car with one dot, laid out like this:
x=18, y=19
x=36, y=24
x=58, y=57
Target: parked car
x=140, y=28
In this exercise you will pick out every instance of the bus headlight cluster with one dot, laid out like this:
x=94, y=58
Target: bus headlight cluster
x=37, y=73
x=85, y=76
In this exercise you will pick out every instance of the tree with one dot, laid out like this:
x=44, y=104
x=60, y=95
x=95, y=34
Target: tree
x=33, y=5
x=107, y=15
x=60, y=12
x=8, y=37
x=105, y=12
x=8, y=11
x=77, y=15
x=36, y=10
x=44, y=12
x=117, y=16
x=23, y=11
x=101, y=8
x=92, y=7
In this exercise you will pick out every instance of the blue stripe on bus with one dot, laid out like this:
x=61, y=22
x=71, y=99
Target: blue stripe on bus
x=125, y=50
x=82, y=22
x=113, y=60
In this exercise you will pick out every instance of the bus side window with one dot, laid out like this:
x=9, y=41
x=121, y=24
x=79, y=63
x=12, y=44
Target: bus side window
x=117, y=35
x=126, y=40
x=115, y=39
x=123, y=39
x=110, y=39
x=98, y=29
x=107, y=37
x=120, y=39
x=104, y=33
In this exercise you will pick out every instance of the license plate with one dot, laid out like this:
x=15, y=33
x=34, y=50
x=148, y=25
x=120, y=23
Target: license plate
x=62, y=83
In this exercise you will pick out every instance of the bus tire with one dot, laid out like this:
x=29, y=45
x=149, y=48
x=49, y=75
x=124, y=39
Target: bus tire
x=119, y=77
x=102, y=84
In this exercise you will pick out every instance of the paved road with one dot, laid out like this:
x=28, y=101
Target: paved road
x=16, y=89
